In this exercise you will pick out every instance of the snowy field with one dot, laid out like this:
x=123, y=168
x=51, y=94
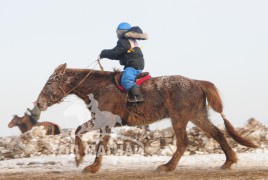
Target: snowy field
x=30, y=156
x=249, y=166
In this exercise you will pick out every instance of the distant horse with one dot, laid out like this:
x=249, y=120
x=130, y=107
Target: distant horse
x=25, y=124
x=176, y=97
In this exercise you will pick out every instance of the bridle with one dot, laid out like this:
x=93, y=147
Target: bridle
x=51, y=97
x=63, y=93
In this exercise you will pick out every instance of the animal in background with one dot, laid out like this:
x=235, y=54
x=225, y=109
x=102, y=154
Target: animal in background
x=25, y=124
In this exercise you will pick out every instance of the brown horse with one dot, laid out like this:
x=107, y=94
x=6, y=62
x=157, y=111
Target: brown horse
x=25, y=124
x=179, y=98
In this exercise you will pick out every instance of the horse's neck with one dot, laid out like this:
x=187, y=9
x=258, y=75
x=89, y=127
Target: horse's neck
x=23, y=128
x=92, y=82
x=29, y=124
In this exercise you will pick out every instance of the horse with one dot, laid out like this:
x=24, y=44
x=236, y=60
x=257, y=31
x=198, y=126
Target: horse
x=176, y=97
x=25, y=124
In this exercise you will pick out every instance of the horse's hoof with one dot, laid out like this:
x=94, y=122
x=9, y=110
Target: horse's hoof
x=164, y=168
x=91, y=169
x=226, y=165
x=78, y=161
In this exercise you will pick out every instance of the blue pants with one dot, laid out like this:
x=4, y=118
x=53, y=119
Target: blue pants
x=129, y=77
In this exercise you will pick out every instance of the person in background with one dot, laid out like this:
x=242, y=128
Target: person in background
x=34, y=113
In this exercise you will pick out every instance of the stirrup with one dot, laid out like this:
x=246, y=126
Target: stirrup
x=135, y=100
x=132, y=100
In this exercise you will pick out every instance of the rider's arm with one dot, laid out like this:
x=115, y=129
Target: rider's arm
x=120, y=49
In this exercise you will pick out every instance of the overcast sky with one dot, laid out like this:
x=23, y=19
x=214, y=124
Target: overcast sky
x=225, y=42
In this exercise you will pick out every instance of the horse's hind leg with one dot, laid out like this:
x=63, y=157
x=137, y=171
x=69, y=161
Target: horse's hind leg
x=93, y=168
x=179, y=127
x=204, y=124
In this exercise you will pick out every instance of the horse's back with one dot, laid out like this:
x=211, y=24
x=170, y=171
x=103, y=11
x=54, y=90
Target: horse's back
x=51, y=128
x=168, y=82
x=172, y=93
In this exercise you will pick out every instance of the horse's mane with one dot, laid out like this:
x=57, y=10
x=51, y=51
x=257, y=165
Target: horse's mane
x=116, y=70
x=93, y=71
x=30, y=118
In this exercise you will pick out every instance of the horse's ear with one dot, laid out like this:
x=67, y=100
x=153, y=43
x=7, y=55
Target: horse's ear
x=61, y=68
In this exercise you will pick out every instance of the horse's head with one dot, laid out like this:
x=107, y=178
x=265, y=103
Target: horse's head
x=53, y=91
x=16, y=121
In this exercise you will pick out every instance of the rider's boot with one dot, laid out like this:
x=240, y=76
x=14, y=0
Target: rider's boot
x=135, y=95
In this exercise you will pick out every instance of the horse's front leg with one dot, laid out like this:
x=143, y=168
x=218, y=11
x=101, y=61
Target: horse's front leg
x=102, y=146
x=79, y=149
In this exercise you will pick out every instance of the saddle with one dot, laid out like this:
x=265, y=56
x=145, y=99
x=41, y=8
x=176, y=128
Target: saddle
x=142, y=77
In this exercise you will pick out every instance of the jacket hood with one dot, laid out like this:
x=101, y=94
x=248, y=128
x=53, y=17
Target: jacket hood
x=136, y=33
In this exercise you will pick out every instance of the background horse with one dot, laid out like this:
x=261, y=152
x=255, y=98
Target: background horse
x=25, y=124
x=176, y=97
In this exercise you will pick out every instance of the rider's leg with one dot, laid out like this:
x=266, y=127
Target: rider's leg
x=128, y=82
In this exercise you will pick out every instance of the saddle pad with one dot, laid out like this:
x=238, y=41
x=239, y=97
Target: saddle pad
x=138, y=82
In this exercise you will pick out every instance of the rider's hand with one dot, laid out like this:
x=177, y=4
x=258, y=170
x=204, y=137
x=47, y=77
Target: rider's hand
x=101, y=55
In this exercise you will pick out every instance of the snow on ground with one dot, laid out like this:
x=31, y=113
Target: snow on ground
x=202, y=159
x=113, y=163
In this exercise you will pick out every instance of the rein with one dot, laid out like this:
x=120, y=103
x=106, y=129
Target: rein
x=78, y=83
x=98, y=60
x=64, y=94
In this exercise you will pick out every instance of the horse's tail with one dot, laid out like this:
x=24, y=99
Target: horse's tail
x=54, y=129
x=215, y=102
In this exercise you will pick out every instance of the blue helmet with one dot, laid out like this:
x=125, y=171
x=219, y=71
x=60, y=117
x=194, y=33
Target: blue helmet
x=124, y=26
